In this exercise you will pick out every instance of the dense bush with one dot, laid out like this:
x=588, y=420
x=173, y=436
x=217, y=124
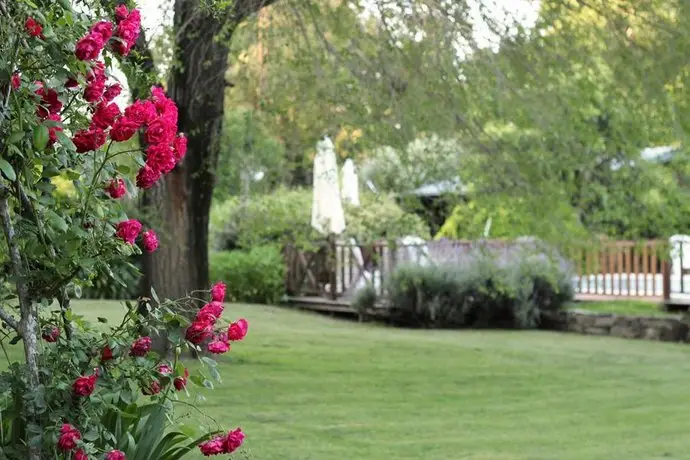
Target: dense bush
x=256, y=275
x=483, y=291
x=285, y=215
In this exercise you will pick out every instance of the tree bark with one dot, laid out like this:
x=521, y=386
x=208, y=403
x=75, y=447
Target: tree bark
x=181, y=203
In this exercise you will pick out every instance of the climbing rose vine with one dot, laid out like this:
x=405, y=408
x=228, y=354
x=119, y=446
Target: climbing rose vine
x=72, y=151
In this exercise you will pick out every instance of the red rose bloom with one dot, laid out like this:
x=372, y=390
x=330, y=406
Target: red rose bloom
x=128, y=231
x=52, y=130
x=104, y=28
x=80, y=455
x=105, y=114
x=160, y=131
x=140, y=347
x=233, y=441
x=141, y=112
x=238, y=330
x=218, y=292
x=213, y=446
x=112, y=91
x=94, y=90
x=115, y=455
x=106, y=354
x=96, y=72
x=123, y=129
x=33, y=27
x=116, y=189
x=197, y=332
x=89, y=46
x=127, y=32
x=180, y=147
x=150, y=240
x=164, y=369
x=89, y=139
x=69, y=436
x=147, y=177
x=160, y=157
x=50, y=103
x=121, y=12
x=152, y=389
x=181, y=381
x=218, y=347
x=51, y=334
x=16, y=81
x=84, y=385
x=214, y=309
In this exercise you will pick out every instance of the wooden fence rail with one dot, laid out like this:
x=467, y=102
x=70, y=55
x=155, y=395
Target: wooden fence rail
x=605, y=270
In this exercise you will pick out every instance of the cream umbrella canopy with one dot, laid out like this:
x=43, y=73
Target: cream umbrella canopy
x=327, y=214
x=350, y=183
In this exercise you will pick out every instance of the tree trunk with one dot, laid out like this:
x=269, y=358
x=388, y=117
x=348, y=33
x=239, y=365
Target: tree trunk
x=179, y=206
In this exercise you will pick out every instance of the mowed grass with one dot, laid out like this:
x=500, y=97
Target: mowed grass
x=622, y=307
x=304, y=386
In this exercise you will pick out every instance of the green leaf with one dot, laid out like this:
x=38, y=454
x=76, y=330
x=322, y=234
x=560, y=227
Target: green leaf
x=66, y=141
x=102, y=320
x=15, y=340
x=154, y=296
x=7, y=169
x=56, y=221
x=15, y=137
x=208, y=361
x=41, y=137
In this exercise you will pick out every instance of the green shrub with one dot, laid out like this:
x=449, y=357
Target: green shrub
x=481, y=292
x=365, y=299
x=285, y=216
x=254, y=276
x=120, y=282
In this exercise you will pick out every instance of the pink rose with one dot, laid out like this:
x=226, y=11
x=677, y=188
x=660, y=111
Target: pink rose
x=164, y=369
x=147, y=177
x=51, y=334
x=105, y=115
x=89, y=47
x=121, y=12
x=218, y=292
x=53, y=130
x=213, y=446
x=104, y=28
x=123, y=129
x=233, y=441
x=150, y=240
x=116, y=189
x=50, y=103
x=160, y=157
x=71, y=83
x=115, y=455
x=84, y=385
x=213, y=309
x=69, y=436
x=238, y=330
x=197, y=332
x=140, y=347
x=128, y=231
x=180, y=147
x=80, y=455
x=218, y=347
x=112, y=91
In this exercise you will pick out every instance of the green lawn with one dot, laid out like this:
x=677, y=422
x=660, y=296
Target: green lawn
x=622, y=307
x=308, y=387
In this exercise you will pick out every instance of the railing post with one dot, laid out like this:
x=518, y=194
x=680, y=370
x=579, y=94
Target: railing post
x=332, y=259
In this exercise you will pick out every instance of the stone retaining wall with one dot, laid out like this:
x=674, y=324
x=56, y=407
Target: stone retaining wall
x=671, y=328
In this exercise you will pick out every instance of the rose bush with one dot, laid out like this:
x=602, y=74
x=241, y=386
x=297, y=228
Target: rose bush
x=88, y=391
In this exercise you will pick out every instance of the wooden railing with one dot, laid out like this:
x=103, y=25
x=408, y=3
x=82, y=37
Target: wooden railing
x=627, y=269
x=605, y=270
